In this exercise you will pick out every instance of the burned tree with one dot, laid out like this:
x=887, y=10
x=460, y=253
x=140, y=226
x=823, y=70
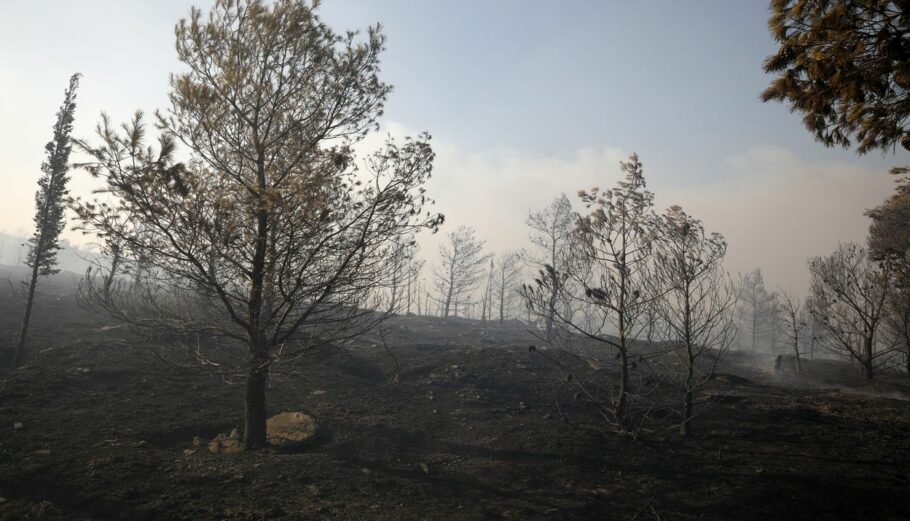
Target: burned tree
x=402, y=262
x=412, y=289
x=611, y=248
x=776, y=325
x=794, y=322
x=461, y=264
x=849, y=292
x=696, y=300
x=486, y=310
x=889, y=244
x=755, y=305
x=551, y=230
x=815, y=331
x=269, y=235
x=897, y=321
x=506, y=282
x=50, y=207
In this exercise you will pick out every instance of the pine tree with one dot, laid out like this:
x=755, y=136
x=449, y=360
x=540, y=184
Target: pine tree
x=845, y=65
x=551, y=231
x=49, y=204
x=273, y=235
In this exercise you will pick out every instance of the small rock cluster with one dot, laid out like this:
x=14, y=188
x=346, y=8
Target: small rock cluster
x=231, y=444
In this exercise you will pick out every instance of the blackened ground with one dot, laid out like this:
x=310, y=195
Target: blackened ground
x=469, y=431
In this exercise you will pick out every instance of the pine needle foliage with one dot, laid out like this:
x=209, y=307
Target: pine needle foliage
x=845, y=65
x=50, y=207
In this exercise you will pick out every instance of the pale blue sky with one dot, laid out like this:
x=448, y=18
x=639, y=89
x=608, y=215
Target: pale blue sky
x=523, y=98
x=667, y=79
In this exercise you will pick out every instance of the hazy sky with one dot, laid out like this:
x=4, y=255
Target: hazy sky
x=524, y=100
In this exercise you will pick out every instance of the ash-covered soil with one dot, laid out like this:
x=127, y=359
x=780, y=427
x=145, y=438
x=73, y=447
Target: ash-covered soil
x=468, y=430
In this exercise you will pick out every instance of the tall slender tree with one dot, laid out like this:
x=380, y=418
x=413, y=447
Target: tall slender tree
x=487, y=299
x=461, y=263
x=795, y=322
x=755, y=305
x=551, y=232
x=506, y=282
x=50, y=207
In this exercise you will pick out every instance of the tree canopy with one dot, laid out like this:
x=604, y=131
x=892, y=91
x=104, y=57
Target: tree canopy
x=270, y=233
x=845, y=65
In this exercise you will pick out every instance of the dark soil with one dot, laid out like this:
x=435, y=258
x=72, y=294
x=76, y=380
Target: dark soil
x=468, y=431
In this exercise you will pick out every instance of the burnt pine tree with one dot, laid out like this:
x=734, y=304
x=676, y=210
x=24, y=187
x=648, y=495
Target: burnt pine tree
x=50, y=206
x=457, y=277
x=849, y=296
x=551, y=232
x=845, y=65
x=610, y=254
x=889, y=244
x=696, y=301
x=506, y=281
x=795, y=322
x=755, y=304
x=272, y=239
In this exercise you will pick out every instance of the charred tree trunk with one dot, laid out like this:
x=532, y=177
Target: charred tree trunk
x=905, y=331
x=622, y=404
x=255, y=413
x=754, y=327
x=502, y=299
x=448, y=302
x=684, y=428
x=907, y=349
x=551, y=311
x=23, y=331
x=867, y=357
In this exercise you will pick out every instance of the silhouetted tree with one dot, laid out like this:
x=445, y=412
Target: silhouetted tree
x=814, y=329
x=889, y=232
x=551, y=230
x=414, y=268
x=776, y=325
x=506, y=281
x=849, y=293
x=50, y=207
x=845, y=65
x=459, y=273
x=697, y=300
x=401, y=265
x=486, y=310
x=795, y=322
x=755, y=305
x=889, y=244
x=268, y=234
x=610, y=253
x=897, y=321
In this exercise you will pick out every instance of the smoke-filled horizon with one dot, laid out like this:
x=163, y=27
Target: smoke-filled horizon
x=680, y=90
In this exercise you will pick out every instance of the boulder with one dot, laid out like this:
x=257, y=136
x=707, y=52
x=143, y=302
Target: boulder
x=290, y=428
